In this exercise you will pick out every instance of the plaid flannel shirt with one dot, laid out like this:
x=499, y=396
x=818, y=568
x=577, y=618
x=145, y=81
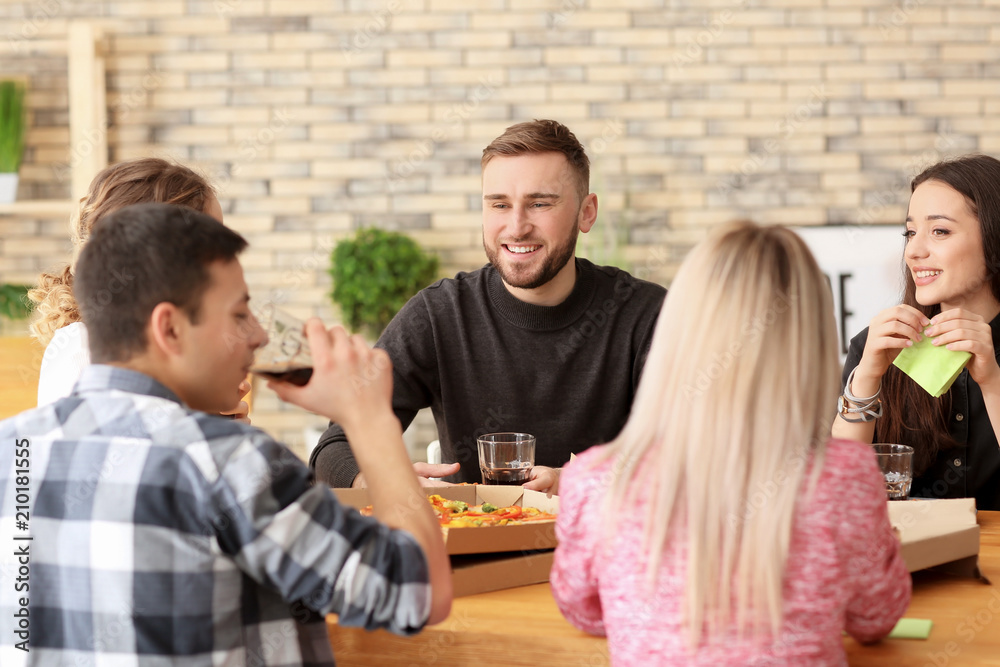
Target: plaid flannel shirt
x=136, y=531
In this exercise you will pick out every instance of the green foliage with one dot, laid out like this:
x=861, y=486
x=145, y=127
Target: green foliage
x=12, y=125
x=14, y=302
x=374, y=274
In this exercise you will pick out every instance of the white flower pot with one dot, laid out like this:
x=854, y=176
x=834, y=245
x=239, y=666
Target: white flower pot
x=8, y=188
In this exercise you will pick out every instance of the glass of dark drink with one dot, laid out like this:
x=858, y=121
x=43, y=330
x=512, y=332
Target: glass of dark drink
x=286, y=355
x=506, y=458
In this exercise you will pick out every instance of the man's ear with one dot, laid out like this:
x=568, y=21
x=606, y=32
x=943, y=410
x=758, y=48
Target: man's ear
x=588, y=213
x=166, y=327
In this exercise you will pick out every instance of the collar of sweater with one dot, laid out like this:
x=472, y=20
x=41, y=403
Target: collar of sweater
x=544, y=318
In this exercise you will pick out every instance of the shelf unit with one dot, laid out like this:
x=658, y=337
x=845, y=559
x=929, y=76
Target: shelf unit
x=88, y=116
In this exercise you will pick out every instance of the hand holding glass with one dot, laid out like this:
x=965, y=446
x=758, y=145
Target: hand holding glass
x=506, y=458
x=286, y=355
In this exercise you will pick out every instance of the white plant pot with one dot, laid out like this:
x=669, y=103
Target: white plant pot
x=8, y=188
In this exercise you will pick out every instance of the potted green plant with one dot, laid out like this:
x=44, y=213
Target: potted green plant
x=12, y=130
x=375, y=273
x=15, y=307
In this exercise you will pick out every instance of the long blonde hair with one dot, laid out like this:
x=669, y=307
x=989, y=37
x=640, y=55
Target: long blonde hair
x=131, y=182
x=736, y=398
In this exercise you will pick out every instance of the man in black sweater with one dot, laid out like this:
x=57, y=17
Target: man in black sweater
x=537, y=341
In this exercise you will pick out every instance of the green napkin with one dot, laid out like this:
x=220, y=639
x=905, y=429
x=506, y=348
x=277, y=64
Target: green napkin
x=912, y=628
x=932, y=367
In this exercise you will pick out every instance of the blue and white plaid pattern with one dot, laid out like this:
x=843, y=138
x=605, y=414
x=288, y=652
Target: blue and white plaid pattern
x=163, y=536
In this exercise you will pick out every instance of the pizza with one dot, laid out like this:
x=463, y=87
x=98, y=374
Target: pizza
x=459, y=514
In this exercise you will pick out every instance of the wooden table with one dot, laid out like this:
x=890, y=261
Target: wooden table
x=522, y=626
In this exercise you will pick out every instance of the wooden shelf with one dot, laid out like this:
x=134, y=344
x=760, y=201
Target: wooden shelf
x=42, y=207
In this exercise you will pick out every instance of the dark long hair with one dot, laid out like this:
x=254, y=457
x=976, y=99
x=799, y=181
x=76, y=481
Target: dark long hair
x=911, y=415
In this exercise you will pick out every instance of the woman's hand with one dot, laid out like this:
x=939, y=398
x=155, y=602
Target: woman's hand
x=241, y=412
x=890, y=331
x=964, y=331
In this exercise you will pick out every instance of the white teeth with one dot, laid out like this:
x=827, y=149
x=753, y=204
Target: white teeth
x=523, y=248
x=926, y=274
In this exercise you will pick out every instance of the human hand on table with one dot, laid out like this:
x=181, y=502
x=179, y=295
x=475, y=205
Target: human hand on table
x=543, y=478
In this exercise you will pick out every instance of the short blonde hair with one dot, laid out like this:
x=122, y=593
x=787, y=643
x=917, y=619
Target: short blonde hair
x=735, y=400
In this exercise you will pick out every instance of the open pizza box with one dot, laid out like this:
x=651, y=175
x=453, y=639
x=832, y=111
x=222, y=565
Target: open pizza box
x=938, y=532
x=494, y=557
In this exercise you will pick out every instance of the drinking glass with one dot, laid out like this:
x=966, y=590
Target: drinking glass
x=506, y=458
x=896, y=462
x=286, y=355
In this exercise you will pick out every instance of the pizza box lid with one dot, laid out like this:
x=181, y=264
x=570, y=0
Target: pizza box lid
x=526, y=537
x=935, y=531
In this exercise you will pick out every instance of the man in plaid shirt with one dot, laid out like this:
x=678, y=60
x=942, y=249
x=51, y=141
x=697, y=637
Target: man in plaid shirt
x=138, y=528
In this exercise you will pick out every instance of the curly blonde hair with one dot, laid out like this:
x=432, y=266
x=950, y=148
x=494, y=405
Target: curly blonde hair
x=119, y=185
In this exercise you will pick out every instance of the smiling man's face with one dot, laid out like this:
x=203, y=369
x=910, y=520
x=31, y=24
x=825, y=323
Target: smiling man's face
x=532, y=215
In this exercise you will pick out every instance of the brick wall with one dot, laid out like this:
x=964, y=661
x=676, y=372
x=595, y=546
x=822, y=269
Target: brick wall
x=315, y=117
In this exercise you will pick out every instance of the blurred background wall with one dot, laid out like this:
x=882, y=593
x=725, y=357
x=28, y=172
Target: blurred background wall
x=317, y=117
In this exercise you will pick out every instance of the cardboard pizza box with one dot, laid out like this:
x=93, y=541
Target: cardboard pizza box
x=934, y=532
x=527, y=537
x=482, y=573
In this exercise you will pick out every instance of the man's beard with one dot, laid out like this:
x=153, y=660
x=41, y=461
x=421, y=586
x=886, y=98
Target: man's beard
x=536, y=276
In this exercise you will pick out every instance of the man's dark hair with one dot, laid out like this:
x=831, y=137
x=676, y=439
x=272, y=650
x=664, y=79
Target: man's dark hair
x=141, y=256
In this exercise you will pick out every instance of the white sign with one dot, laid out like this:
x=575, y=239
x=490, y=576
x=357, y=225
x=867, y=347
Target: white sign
x=864, y=265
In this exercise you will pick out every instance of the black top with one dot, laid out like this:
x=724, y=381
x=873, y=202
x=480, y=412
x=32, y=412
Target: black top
x=486, y=362
x=973, y=468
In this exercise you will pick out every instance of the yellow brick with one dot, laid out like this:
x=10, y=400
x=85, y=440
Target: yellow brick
x=749, y=91
x=353, y=168
x=150, y=43
x=668, y=199
x=862, y=72
x=388, y=77
x=412, y=203
x=823, y=162
x=250, y=224
x=300, y=7
x=507, y=20
x=456, y=221
x=394, y=113
x=564, y=112
x=970, y=53
x=503, y=57
x=631, y=37
x=232, y=115
x=298, y=41
x=791, y=215
x=826, y=53
x=275, y=205
x=699, y=73
x=231, y=42
x=25, y=246
x=493, y=76
x=186, y=134
x=574, y=55
x=827, y=17
x=189, y=99
x=429, y=22
x=452, y=238
x=895, y=124
x=414, y=58
x=586, y=91
x=970, y=87
x=758, y=55
x=149, y=10
x=709, y=108
x=279, y=60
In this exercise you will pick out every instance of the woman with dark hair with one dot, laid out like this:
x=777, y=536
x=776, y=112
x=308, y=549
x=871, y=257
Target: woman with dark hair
x=57, y=323
x=952, y=295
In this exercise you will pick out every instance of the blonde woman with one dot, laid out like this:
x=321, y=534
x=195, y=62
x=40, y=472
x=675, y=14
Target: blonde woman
x=722, y=527
x=57, y=324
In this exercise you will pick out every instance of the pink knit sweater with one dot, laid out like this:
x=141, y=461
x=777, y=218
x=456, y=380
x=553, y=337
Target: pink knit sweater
x=844, y=573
